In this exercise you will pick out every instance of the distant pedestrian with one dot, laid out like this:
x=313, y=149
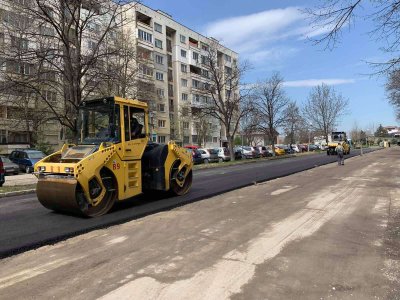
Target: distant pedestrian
x=340, y=156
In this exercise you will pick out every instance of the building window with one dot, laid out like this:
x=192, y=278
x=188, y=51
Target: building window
x=3, y=137
x=161, y=139
x=204, y=47
x=160, y=93
x=158, y=43
x=194, y=139
x=195, y=83
x=161, y=123
x=195, y=56
x=158, y=27
x=184, y=68
x=145, y=36
x=159, y=59
x=184, y=97
x=183, y=38
x=228, y=58
x=215, y=139
x=205, y=73
x=19, y=43
x=196, y=98
x=161, y=107
x=92, y=45
x=145, y=70
x=184, y=82
x=49, y=96
x=205, y=60
x=185, y=125
x=183, y=53
x=159, y=76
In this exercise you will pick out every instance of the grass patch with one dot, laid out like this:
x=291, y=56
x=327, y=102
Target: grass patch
x=15, y=188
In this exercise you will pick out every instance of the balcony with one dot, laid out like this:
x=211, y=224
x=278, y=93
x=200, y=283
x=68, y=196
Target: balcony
x=193, y=43
x=143, y=19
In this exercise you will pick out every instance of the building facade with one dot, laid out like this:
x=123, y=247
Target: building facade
x=175, y=62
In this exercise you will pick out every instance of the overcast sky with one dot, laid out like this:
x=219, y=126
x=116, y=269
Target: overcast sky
x=274, y=36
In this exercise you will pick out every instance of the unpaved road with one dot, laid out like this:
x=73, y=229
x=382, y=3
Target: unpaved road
x=332, y=232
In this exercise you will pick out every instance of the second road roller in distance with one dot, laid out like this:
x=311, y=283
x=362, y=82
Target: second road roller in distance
x=112, y=161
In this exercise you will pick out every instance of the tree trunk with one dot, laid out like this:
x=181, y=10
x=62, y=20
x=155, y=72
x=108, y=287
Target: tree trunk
x=230, y=145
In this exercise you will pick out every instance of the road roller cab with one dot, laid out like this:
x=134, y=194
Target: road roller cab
x=338, y=137
x=112, y=161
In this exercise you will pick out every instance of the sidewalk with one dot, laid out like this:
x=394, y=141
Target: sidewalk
x=21, y=179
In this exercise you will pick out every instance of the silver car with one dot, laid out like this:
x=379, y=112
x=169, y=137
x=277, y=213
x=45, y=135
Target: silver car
x=9, y=166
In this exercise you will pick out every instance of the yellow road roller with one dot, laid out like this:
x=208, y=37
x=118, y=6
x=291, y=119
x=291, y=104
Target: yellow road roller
x=113, y=160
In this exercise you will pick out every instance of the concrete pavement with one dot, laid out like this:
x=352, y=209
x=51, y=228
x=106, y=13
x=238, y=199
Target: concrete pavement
x=332, y=232
x=20, y=179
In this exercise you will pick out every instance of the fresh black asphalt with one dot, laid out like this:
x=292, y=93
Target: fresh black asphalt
x=25, y=224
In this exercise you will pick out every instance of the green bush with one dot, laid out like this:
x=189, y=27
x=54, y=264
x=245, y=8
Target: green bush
x=43, y=146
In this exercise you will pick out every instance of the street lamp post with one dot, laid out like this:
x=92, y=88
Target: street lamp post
x=309, y=138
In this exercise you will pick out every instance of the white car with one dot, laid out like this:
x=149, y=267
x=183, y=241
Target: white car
x=296, y=148
x=209, y=155
x=223, y=154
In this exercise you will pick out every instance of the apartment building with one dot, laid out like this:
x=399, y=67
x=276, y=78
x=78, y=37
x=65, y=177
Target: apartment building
x=174, y=62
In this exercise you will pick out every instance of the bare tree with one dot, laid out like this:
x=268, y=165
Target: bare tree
x=249, y=127
x=271, y=102
x=226, y=98
x=323, y=109
x=333, y=16
x=63, y=48
x=293, y=122
x=393, y=90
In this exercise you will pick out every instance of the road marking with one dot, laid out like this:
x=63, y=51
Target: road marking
x=285, y=189
x=30, y=273
x=236, y=268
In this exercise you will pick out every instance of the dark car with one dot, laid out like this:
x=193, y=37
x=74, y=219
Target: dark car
x=313, y=147
x=288, y=149
x=196, y=156
x=9, y=166
x=2, y=179
x=26, y=158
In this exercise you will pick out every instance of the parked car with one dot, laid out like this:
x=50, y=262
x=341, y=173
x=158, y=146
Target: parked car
x=208, y=155
x=279, y=150
x=247, y=152
x=191, y=147
x=295, y=148
x=256, y=152
x=269, y=151
x=288, y=149
x=196, y=156
x=2, y=178
x=223, y=154
x=313, y=147
x=264, y=151
x=303, y=148
x=26, y=158
x=9, y=166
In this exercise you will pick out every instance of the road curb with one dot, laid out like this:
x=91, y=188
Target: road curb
x=16, y=193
